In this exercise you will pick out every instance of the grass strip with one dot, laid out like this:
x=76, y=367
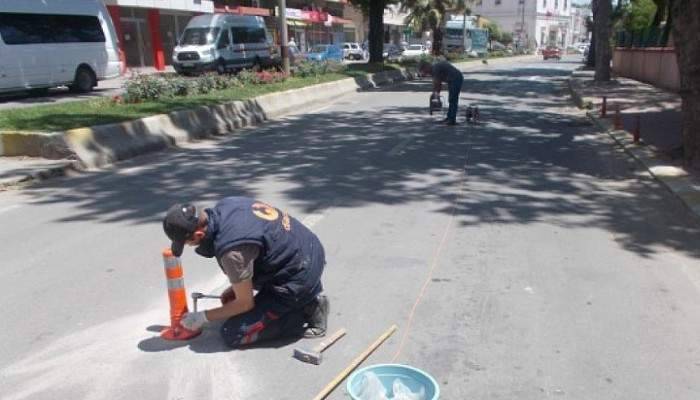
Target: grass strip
x=77, y=114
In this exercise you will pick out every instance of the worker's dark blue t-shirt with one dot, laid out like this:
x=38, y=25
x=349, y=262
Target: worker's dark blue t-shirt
x=291, y=257
x=446, y=72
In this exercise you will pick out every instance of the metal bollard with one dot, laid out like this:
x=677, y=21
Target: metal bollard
x=618, y=118
x=604, y=108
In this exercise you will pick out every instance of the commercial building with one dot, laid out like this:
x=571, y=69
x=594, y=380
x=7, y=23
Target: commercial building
x=318, y=22
x=148, y=30
x=534, y=23
x=395, y=29
x=308, y=22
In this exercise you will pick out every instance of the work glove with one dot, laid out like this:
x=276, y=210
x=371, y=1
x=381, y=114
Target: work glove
x=193, y=321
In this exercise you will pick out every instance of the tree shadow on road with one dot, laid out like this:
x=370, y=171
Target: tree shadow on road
x=525, y=164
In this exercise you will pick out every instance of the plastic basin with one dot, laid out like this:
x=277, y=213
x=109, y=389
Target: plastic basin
x=412, y=377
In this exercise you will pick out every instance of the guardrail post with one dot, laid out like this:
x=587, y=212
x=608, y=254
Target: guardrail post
x=637, y=129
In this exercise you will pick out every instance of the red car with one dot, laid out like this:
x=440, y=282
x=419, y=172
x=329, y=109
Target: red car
x=551, y=52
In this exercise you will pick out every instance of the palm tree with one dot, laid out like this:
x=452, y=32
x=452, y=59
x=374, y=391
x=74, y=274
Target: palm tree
x=431, y=15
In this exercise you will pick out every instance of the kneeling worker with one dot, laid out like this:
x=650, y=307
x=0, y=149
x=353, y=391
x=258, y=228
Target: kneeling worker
x=258, y=247
x=443, y=71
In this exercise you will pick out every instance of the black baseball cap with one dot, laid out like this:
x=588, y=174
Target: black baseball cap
x=179, y=224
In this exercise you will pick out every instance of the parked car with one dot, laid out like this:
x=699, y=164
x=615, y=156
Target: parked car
x=580, y=47
x=325, y=52
x=391, y=52
x=352, y=51
x=49, y=43
x=223, y=42
x=414, y=50
x=551, y=52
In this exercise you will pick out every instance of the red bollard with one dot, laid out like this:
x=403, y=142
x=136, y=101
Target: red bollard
x=604, y=108
x=618, y=118
x=178, y=299
x=637, y=129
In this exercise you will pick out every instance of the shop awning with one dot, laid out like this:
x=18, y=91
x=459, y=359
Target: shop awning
x=343, y=21
x=296, y=22
x=240, y=10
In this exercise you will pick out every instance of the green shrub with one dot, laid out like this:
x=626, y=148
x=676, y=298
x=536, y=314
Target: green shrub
x=205, y=83
x=141, y=88
x=334, y=67
x=249, y=77
x=179, y=86
x=315, y=68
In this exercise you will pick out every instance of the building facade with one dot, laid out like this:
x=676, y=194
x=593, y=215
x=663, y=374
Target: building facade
x=395, y=29
x=534, y=23
x=148, y=30
x=579, y=29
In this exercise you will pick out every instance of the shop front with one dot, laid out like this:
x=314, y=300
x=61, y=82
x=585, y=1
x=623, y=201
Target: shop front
x=309, y=28
x=148, y=35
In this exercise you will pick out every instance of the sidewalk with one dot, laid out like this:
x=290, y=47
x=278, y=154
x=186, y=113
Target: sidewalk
x=657, y=114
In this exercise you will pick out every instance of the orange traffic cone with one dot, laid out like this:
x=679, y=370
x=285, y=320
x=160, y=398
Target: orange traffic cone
x=178, y=299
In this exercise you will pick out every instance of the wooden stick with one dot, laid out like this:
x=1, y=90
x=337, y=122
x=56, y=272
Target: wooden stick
x=357, y=361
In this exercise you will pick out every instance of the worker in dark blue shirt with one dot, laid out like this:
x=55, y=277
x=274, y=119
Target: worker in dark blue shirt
x=258, y=247
x=443, y=71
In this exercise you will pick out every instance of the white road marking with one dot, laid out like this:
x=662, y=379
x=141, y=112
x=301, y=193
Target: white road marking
x=399, y=147
x=321, y=108
x=8, y=208
x=311, y=219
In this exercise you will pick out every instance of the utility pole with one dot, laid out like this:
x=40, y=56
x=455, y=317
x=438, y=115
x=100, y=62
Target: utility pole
x=282, y=5
x=464, y=32
x=522, y=22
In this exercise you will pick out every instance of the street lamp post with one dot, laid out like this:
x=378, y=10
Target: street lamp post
x=283, y=35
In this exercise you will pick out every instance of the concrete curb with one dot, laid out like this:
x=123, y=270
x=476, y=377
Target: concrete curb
x=675, y=179
x=576, y=96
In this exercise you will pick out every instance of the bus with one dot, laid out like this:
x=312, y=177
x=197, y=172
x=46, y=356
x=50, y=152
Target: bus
x=477, y=39
x=49, y=43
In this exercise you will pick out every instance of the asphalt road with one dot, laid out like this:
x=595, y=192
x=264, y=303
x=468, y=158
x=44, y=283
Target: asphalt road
x=523, y=258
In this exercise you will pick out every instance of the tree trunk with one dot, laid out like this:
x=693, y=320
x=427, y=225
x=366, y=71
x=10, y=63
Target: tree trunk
x=686, y=25
x=660, y=14
x=603, y=53
x=376, y=31
x=437, y=41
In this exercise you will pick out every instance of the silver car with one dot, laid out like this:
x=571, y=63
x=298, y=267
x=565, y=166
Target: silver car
x=352, y=51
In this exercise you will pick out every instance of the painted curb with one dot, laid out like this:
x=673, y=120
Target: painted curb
x=674, y=179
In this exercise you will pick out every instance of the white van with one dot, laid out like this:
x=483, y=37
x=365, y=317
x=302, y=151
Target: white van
x=48, y=43
x=223, y=42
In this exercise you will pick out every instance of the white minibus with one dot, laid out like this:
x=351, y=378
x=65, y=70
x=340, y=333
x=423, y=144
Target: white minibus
x=223, y=42
x=48, y=43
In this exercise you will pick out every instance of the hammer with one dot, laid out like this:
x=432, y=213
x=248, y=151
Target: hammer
x=313, y=356
x=196, y=296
